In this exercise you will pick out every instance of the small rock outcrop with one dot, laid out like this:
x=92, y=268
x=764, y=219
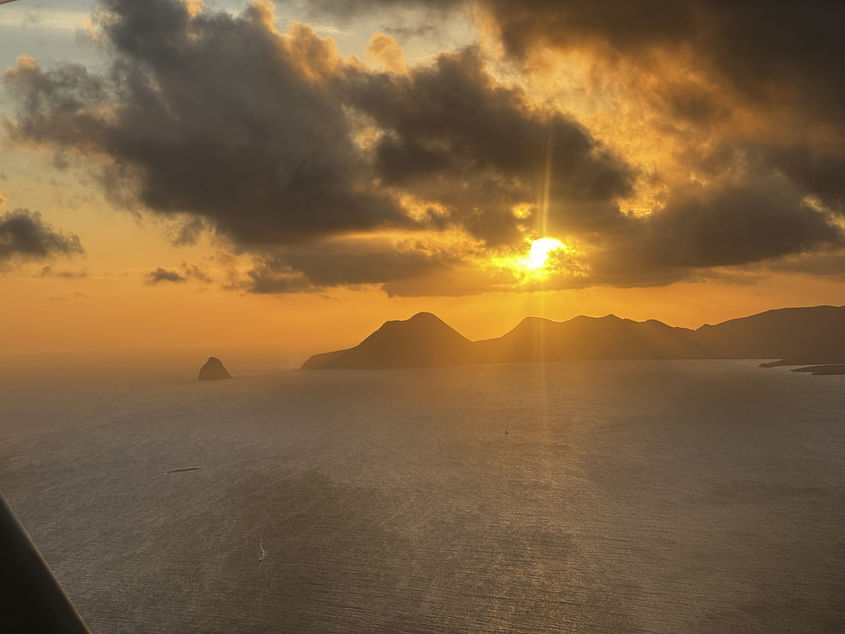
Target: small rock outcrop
x=213, y=370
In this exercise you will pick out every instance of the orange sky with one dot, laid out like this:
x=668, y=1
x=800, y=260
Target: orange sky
x=647, y=213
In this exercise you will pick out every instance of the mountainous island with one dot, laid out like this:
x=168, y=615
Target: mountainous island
x=813, y=336
x=213, y=370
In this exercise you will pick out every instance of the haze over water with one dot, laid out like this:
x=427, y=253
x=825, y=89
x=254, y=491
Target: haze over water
x=618, y=496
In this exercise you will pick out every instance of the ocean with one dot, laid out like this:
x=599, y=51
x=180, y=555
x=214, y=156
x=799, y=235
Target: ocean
x=641, y=496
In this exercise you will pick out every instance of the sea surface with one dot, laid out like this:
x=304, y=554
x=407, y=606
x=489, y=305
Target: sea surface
x=664, y=496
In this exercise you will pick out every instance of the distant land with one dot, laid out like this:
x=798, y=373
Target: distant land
x=813, y=336
x=213, y=370
x=834, y=368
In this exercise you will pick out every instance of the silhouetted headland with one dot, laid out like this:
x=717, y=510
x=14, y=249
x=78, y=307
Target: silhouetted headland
x=213, y=370
x=811, y=335
x=833, y=368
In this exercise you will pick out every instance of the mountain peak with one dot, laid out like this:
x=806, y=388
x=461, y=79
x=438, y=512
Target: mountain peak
x=423, y=340
x=421, y=322
x=422, y=318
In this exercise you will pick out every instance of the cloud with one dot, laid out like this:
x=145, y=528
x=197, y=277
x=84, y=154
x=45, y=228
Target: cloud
x=827, y=264
x=274, y=276
x=24, y=235
x=707, y=135
x=817, y=169
x=212, y=114
x=696, y=63
x=160, y=275
x=786, y=49
x=736, y=225
x=225, y=118
x=454, y=136
x=310, y=272
x=730, y=224
x=384, y=50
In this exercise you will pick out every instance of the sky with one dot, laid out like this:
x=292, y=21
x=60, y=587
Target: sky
x=278, y=179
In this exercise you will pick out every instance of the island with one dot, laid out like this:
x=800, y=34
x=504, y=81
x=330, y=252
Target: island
x=812, y=336
x=213, y=370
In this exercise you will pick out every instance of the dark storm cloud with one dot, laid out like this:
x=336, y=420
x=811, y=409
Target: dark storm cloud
x=754, y=45
x=819, y=171
x=255, y=135
x=25, y=236
x=736, y=225
x=221, y=117
x=765, y=50
x=161, y=275
x=453, y=135
x=721, y=225
x=814, y=170
x=629, y=25
x=829, y=264
x=778, y=54
x=694, y=105
x=209, y=114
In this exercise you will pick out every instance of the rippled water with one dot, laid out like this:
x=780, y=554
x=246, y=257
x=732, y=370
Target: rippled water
x=607, y=496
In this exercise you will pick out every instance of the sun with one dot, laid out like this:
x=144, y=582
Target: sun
x=539, y=253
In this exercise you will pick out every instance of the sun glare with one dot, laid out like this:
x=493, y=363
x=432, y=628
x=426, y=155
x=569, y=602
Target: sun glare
x=539, y=253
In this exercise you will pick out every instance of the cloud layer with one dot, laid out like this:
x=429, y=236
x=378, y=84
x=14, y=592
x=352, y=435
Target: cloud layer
x=288, y=150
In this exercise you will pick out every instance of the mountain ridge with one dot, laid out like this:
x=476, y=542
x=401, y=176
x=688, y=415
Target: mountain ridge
x=807, y=335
